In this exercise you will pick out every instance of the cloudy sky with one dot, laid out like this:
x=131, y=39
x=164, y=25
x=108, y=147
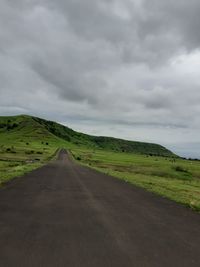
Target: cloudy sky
x=123, y=68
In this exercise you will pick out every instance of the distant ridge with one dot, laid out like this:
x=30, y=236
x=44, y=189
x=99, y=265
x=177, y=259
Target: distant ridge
x=37, y=128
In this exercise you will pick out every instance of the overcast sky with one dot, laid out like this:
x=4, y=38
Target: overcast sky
x=123, y=68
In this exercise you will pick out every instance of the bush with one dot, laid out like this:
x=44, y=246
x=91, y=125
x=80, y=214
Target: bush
x=29, y=152
x=11, y=150
x=11, y=126
x=180, y=169
x=2, y=125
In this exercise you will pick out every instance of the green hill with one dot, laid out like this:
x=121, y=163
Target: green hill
x=28, y=142
x=27, y=131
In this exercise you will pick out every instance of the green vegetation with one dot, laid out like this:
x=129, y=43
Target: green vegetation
x=24, y=146
x=28, y=142
x=99, y=142
x=174, y=178
x=10, y=169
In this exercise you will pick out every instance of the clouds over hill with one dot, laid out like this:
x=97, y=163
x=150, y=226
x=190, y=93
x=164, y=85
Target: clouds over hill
x=130, y=64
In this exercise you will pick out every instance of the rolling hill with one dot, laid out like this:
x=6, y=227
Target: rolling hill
x=28, y=142
x=23, y=130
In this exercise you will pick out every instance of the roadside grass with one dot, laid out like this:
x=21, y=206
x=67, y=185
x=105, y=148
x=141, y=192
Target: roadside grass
x=24, y=160
x=26, y=145
x=23, y=151
x=176, y=179
x=11, y=169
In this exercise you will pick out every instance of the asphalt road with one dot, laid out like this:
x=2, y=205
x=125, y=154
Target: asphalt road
x=65, y=215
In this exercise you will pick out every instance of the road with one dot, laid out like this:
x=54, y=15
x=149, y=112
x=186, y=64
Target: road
x=67, y=215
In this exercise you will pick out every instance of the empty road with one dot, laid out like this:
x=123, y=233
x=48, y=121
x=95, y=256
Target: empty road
x=67, y=215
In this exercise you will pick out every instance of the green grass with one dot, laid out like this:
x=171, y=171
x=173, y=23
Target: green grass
x=27, y=143
x=25, y=147
x=10, y=169
x=176, y=179
x=33, y=128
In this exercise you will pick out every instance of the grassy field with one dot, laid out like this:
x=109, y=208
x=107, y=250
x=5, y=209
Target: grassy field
x=19, y=158
x=27, y=143
x=176, y=179
x=25, y=148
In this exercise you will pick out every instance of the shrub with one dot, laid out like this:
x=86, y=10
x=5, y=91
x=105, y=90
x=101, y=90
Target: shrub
x=2, y=125
x=8, y=127
x=180, y=169
x=11, y=126
x=10, y=150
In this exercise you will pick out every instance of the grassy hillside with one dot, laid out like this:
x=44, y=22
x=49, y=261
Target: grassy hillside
x=105, y=143
x=28, y=142
x=33, y=129
x=22, y=135
x=24, y=146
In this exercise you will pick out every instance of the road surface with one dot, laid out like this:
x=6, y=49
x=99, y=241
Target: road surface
x=67, y=215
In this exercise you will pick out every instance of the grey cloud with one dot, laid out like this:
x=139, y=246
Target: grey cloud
x=181, y=16
x=93, y=20
x=133, y=62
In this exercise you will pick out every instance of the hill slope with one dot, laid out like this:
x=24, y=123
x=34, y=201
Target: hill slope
x=23, y=129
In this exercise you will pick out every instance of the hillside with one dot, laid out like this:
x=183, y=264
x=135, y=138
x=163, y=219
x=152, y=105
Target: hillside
x=27, y=143
x=15, y=130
